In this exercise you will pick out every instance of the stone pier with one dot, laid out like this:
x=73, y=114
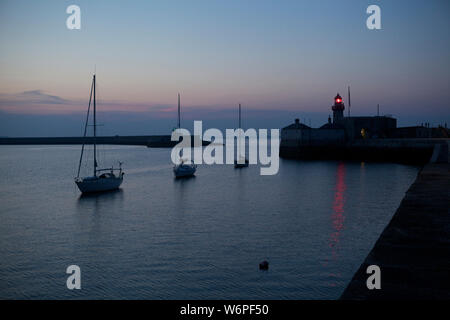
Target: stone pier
x=413, y=252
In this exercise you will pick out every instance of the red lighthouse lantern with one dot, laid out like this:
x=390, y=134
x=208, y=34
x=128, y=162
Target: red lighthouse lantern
x=338, y=109
x=338, y=103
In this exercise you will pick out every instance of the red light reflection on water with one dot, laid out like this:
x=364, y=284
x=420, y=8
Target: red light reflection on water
x=338, y=208
x=337, y=219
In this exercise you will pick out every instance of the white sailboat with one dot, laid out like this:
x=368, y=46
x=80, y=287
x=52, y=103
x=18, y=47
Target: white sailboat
x=103, y=179
x=241, y=161
x=185, y=168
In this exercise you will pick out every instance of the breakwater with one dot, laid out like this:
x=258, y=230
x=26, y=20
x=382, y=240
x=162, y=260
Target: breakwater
x=411, y=151
x=156, y=141
x=413, y=251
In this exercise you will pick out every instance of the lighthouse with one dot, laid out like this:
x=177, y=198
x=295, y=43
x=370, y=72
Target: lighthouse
x=338, y=109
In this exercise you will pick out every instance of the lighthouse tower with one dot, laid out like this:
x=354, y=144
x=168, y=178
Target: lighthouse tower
x=338, y=109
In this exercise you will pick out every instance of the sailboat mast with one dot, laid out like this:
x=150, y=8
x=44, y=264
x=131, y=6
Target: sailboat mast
x=239, y=138
x=179, y=126
x=239, y=116
x=85, y=129
x=95, y=133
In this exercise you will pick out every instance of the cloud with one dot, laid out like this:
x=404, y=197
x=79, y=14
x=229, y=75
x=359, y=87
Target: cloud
x=26, y=99
x=38, y=101
x=38, y=96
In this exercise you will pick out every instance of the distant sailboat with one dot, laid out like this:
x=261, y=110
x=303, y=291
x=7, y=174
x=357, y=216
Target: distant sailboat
x=241, y=161
x=183, y=169
x=99, y=182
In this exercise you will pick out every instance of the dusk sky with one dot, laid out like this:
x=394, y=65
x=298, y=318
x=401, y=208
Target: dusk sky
x=280, y=59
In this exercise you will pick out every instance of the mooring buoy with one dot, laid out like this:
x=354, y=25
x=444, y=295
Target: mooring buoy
x=264, y=265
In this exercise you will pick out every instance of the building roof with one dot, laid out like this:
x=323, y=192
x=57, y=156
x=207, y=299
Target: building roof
x=332, y=126
x=371, y=117
x=296, y=126
x=413, y=127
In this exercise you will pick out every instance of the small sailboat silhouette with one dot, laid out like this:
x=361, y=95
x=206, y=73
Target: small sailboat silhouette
x=241, y=160
x=184, y=168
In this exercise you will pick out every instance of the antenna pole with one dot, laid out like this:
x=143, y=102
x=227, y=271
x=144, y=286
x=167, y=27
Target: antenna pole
x=378, y=110
x=179, y=111
x=349, y=101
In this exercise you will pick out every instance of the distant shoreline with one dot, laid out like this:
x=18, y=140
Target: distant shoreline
x=155, y=141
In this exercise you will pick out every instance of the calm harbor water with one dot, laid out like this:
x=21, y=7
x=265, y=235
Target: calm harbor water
x=200, y=238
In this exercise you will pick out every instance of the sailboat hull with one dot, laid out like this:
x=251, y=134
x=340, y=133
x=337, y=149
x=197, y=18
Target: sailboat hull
x=95, y=184
x=183, y=171
x=240, y=165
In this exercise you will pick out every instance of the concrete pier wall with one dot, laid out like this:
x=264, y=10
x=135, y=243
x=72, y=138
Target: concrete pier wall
x=413, y=251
